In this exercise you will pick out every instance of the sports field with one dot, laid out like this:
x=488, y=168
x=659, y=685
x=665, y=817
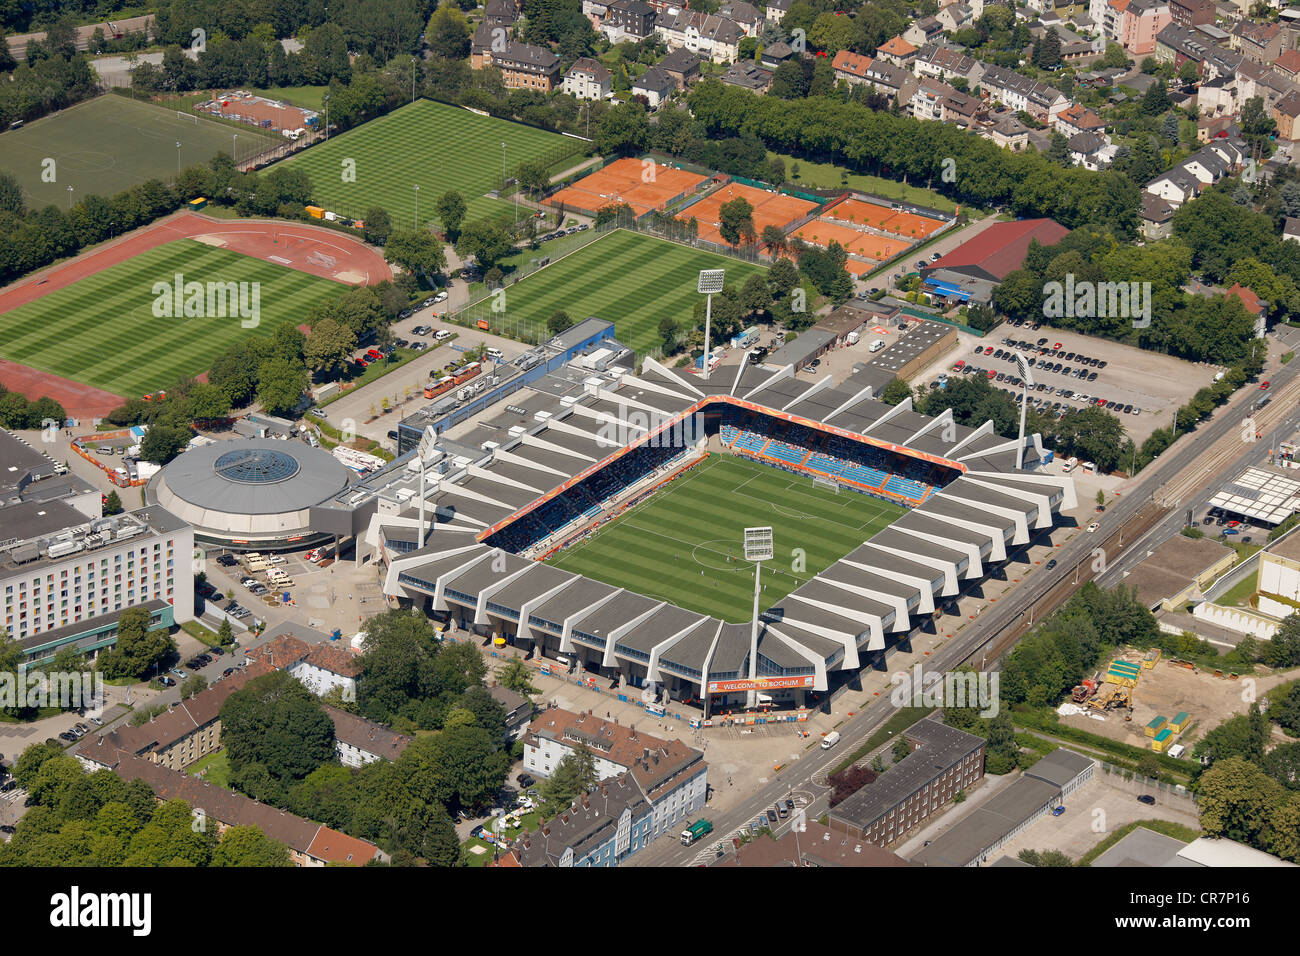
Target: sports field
x=432, y=145
x=632, y=280
x=102, y=330
x=109, y=144
x=684, y=544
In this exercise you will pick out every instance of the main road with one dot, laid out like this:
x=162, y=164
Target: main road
x=1209, y=456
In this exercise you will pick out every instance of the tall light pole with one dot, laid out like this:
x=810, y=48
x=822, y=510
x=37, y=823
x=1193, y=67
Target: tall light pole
x=234, y=137
x=69, y=197
x=758, y=548
x=178, y=158
x=417, y=206
x=710, y=281
x=1027, y=382
x=424, y=449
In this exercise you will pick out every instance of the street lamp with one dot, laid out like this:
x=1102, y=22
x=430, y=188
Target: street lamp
x=424, y=450
x=234, y=138
x=758, y=548
x=178, y=157
x=417, y=206
x=710, y=281
x=1027, y=382
x=69, y=197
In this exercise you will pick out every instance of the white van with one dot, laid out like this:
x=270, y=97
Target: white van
x=441, y=335
x=256, y=564
x=494, y=353
x=830, y=740
x=877, y=345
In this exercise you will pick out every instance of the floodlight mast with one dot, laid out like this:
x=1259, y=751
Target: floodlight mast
x=758, y=548
x=427, y=441
x=710, y=281
x=1026, y=383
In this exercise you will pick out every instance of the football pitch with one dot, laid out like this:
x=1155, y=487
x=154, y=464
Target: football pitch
x=683, y=544
x=102, y=331
x=430, y=145
x=632, y=280
x=112, y=143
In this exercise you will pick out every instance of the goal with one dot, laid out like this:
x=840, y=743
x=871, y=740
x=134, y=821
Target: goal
x=830, y=484
x=180, y=115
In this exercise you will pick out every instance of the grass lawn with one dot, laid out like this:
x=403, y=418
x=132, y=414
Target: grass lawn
x=306, y=97
x=632, y=280
x=827, y=176
x=684, y=544
x=430, y=145
x=529, y=823
x=102, y=330
x=1239, y=594
x=214, y=768
x=109, y=144
x=200, y=633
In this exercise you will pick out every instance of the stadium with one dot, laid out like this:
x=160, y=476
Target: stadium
x=881, y=517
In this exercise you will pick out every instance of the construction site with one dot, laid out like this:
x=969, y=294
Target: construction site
x=1160, y=703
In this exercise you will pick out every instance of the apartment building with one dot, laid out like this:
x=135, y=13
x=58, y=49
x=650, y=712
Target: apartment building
x=1260, y=42
x=65, y=579
x=1134, y=24
x=358, y=741
x=588, y=79
x=1019, y=93
x=525, y=67
x=320, y=667
x=926, y=102
x=707, y=34
x=628, y=21
x=601, y=828
x=1190, y=13
x=898, y=51
x=851, y=67
x=1076, y=119
x=946, y=64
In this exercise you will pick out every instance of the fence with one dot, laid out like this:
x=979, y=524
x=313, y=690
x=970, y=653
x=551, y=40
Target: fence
x=1136, y=783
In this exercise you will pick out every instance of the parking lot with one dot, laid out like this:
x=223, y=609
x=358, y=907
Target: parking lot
x=1073, y=371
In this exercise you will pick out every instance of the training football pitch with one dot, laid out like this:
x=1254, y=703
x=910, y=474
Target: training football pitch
x=102, y=331
x=112, y=143
x=430, y=145
x=683, y=545
x=632, y=280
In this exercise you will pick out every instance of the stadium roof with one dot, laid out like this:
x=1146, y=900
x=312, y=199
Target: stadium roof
x=829, y=622
x=1270, y=495
x=999, y=250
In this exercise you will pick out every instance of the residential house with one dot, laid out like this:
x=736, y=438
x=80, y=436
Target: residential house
x=923, y=31
x=851, y=67
x=1255, y=307
x=519, y=710
x=1004, y=128
x=1261, y=42
x=602, y=827
x=1209, y=128
x=943, y=63
x=774, y=54
x=897, y=51
x=1157, y=217
x=682, y=65
x=588, y=79
x=748, y=16
x=671, y=776
x=358, y=741
x=655, y=85
x=1190, y=13
x=1175, y=187
x=1019, y=93
x=774, y=10
x=1076, y=119
x=894, y=81
x=963, y=110
x=526, y=67
x=707, y=34
x=748, y=75
x=628, y=20
x=319, y=667
x=1291, y=230
x=1288, y=64
x=595, y=11
x=956, y=16
x=926, y=102
x=1286, y=113
x=1091, y=151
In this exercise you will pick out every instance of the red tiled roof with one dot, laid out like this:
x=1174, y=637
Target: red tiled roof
x=334, y=660
x=1247, y=297
x=850, y=62
x=1001, y=248
x=281, y=653
x=897, y=46
x=335, y=847
x=1288, y=62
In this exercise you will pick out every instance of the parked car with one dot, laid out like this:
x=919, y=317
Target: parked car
x=166, y=681
x=771, y=816
x=179, y=673
x=1092, y=527
x=1146, y=798
x=419, y=345
x=526, y=780
x=421, y=330
x=228, y=560
x=1051, y=564
x=1058, y=810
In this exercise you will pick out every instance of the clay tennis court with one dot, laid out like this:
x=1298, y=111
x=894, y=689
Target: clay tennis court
x=642, y=186
x=819, y=232
x=770, y=209
x=885, y=219
x=311, y=249
x=255, y=110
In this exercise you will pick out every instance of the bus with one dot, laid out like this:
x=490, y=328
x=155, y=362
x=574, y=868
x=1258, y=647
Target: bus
x=696, y=831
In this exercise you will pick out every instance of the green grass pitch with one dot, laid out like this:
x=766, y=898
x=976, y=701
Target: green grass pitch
x=683, y=544
x=632, y=280
x=102, y=330
x=112, y=143
x=432, y=145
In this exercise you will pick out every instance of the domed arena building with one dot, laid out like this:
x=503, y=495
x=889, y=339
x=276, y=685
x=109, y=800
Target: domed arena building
x=250, y=494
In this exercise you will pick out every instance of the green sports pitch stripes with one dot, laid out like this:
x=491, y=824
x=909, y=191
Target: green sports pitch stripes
x=432, y=145
x=102, y=331
x=112, y=143
x=632, y=280
x=683, y=545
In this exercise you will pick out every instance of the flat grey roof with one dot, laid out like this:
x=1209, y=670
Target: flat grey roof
x=578, y=596
x=989, y=824
x=312, y=476
x=691, y=650
x=34, y=519
x=660, y=626
x=1059, y=767
x=539, y=579
x=1143, y=847
x=614, y=614
x=487, y=573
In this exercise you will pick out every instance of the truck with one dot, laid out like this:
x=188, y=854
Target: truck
x=696, y=831
x=830, y=740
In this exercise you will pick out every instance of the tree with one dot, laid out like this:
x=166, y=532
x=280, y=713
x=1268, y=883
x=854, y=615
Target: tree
x=113, y=506
x=1239, y=801
x=485, y=241
x=330, y=346
x=575, y=774
x=450, y=208
x=1047, y=51
x=137, y=648
x=447, y=34
x=736, y=221
x=895, y=392
x=901, y=749
x=418, y=252
x=461, y=767
x=1284, y=649
x=558, y=322
x=623, y=130
x=281, y=384
x=515, y=675
x=1243, y=736
x=1155, y=100
x=192, y=685
x=379, y=226
x=276, y=722
x=164, y=441
x=668, y=332
x=225, y=634
x=207, y=402
x=249, y=846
